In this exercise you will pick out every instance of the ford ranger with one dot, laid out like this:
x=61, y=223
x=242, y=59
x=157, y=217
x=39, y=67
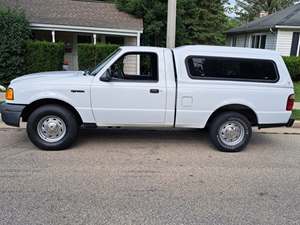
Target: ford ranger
x=226, y=90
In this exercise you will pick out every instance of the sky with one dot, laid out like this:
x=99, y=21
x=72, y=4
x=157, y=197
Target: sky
x=232, y=2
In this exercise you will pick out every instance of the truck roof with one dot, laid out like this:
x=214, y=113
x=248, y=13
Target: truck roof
x=226, y=49
x=212, y=49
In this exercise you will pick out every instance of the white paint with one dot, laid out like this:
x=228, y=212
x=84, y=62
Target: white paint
x=171, y=26
x=131, y=103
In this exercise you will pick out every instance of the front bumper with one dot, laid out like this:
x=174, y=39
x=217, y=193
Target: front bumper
x=11, y=113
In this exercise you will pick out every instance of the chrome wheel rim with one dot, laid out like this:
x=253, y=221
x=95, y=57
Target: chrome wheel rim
x=51, y=129
x=232, y=133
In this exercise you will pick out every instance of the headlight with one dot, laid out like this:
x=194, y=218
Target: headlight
x=9, y=95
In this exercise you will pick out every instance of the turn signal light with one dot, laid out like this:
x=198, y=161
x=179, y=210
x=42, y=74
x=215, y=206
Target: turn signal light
x=9, y=95
x=290, y=103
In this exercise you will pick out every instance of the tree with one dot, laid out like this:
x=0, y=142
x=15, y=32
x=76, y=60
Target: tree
x=198, y=21
x=247, y=10
x=14, y=31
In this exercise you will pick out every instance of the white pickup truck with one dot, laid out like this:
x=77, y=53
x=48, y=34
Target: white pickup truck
x=227, y=90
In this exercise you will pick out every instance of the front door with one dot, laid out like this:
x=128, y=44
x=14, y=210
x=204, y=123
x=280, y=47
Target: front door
x=135, y=94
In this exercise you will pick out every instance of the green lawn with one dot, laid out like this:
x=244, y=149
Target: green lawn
x=296, y=114
x=297, y=90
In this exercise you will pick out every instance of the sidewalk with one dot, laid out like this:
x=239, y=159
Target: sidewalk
x=297, y=105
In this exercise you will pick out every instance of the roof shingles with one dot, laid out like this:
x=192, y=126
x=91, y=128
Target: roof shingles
x=76, y=13
x=286, y=17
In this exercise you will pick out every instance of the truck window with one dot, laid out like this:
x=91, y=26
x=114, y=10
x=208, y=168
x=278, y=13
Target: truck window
x=136, y=67
x=200, y=67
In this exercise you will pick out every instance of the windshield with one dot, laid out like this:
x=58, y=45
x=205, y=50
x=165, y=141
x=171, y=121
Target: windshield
x=104, y=62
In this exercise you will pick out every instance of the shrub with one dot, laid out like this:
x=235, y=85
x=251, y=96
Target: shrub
x=43, y=56
x=90, y=55
x=14, y=31
x=293, y=65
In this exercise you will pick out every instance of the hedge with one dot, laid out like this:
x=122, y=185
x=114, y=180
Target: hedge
x=293, y=65
x=14, y=31
x=43, y=56
x=90, y=55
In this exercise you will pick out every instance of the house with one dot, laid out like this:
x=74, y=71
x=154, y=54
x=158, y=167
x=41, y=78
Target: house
x=79, y=21
x=279, y=31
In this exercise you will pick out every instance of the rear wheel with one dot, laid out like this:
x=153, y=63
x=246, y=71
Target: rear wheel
x=230, y=132
x=52, y=127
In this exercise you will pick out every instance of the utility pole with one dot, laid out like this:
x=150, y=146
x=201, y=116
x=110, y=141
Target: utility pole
x=171, y=29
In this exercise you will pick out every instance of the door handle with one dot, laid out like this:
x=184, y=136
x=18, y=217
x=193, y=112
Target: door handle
x=154, y=91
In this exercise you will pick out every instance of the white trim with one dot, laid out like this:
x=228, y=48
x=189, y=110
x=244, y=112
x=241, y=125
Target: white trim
x=94, y=39
x=53, y=36
x=287, y=27
x=80, y=29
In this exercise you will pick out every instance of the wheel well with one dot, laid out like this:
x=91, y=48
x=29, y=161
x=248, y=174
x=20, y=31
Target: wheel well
x=34, y=105
x=244, y=110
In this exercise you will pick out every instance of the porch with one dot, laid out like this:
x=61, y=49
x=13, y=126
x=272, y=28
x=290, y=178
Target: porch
x=72, y=36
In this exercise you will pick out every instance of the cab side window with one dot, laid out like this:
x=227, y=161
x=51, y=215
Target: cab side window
x=222, y=68
x=136, y=67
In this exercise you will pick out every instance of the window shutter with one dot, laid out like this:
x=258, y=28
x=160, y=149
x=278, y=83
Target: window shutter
x=295, y=43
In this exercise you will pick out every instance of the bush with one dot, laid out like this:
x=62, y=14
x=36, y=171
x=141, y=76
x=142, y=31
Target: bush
x=43, y=56
x=90, y=55
x=14, y=31
x=293, y=65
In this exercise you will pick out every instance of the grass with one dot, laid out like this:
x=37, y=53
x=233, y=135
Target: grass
x=296, y=114
x=297, y=91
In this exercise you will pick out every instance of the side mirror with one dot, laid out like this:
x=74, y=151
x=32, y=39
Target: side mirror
x=106, y=77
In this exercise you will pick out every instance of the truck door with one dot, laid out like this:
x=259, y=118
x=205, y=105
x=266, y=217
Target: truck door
x=134, y=91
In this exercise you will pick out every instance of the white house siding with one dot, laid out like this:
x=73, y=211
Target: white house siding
x=284, y=42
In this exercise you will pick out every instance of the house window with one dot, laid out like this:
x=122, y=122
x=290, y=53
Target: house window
x=258, y=41
x=84, y=39
x=117, y=40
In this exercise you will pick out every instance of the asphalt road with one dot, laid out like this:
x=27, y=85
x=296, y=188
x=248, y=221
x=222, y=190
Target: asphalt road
x=149, y=177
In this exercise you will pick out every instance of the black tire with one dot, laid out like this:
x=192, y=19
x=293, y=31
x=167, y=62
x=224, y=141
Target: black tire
x=62, y=113
x=217, y=124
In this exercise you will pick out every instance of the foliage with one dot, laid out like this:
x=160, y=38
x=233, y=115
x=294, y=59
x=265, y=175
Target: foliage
x=14, y=31
x=297, y=91
x=293, y=65
x=43, y=56
x=198, y=21
x=248, y=10
x=90, y=55
x=296, y=114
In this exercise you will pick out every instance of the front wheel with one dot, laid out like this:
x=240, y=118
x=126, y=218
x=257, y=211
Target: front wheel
x=230, y=132
x=52, y=127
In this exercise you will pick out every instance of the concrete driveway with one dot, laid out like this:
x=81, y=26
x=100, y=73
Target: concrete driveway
x=149, y=177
